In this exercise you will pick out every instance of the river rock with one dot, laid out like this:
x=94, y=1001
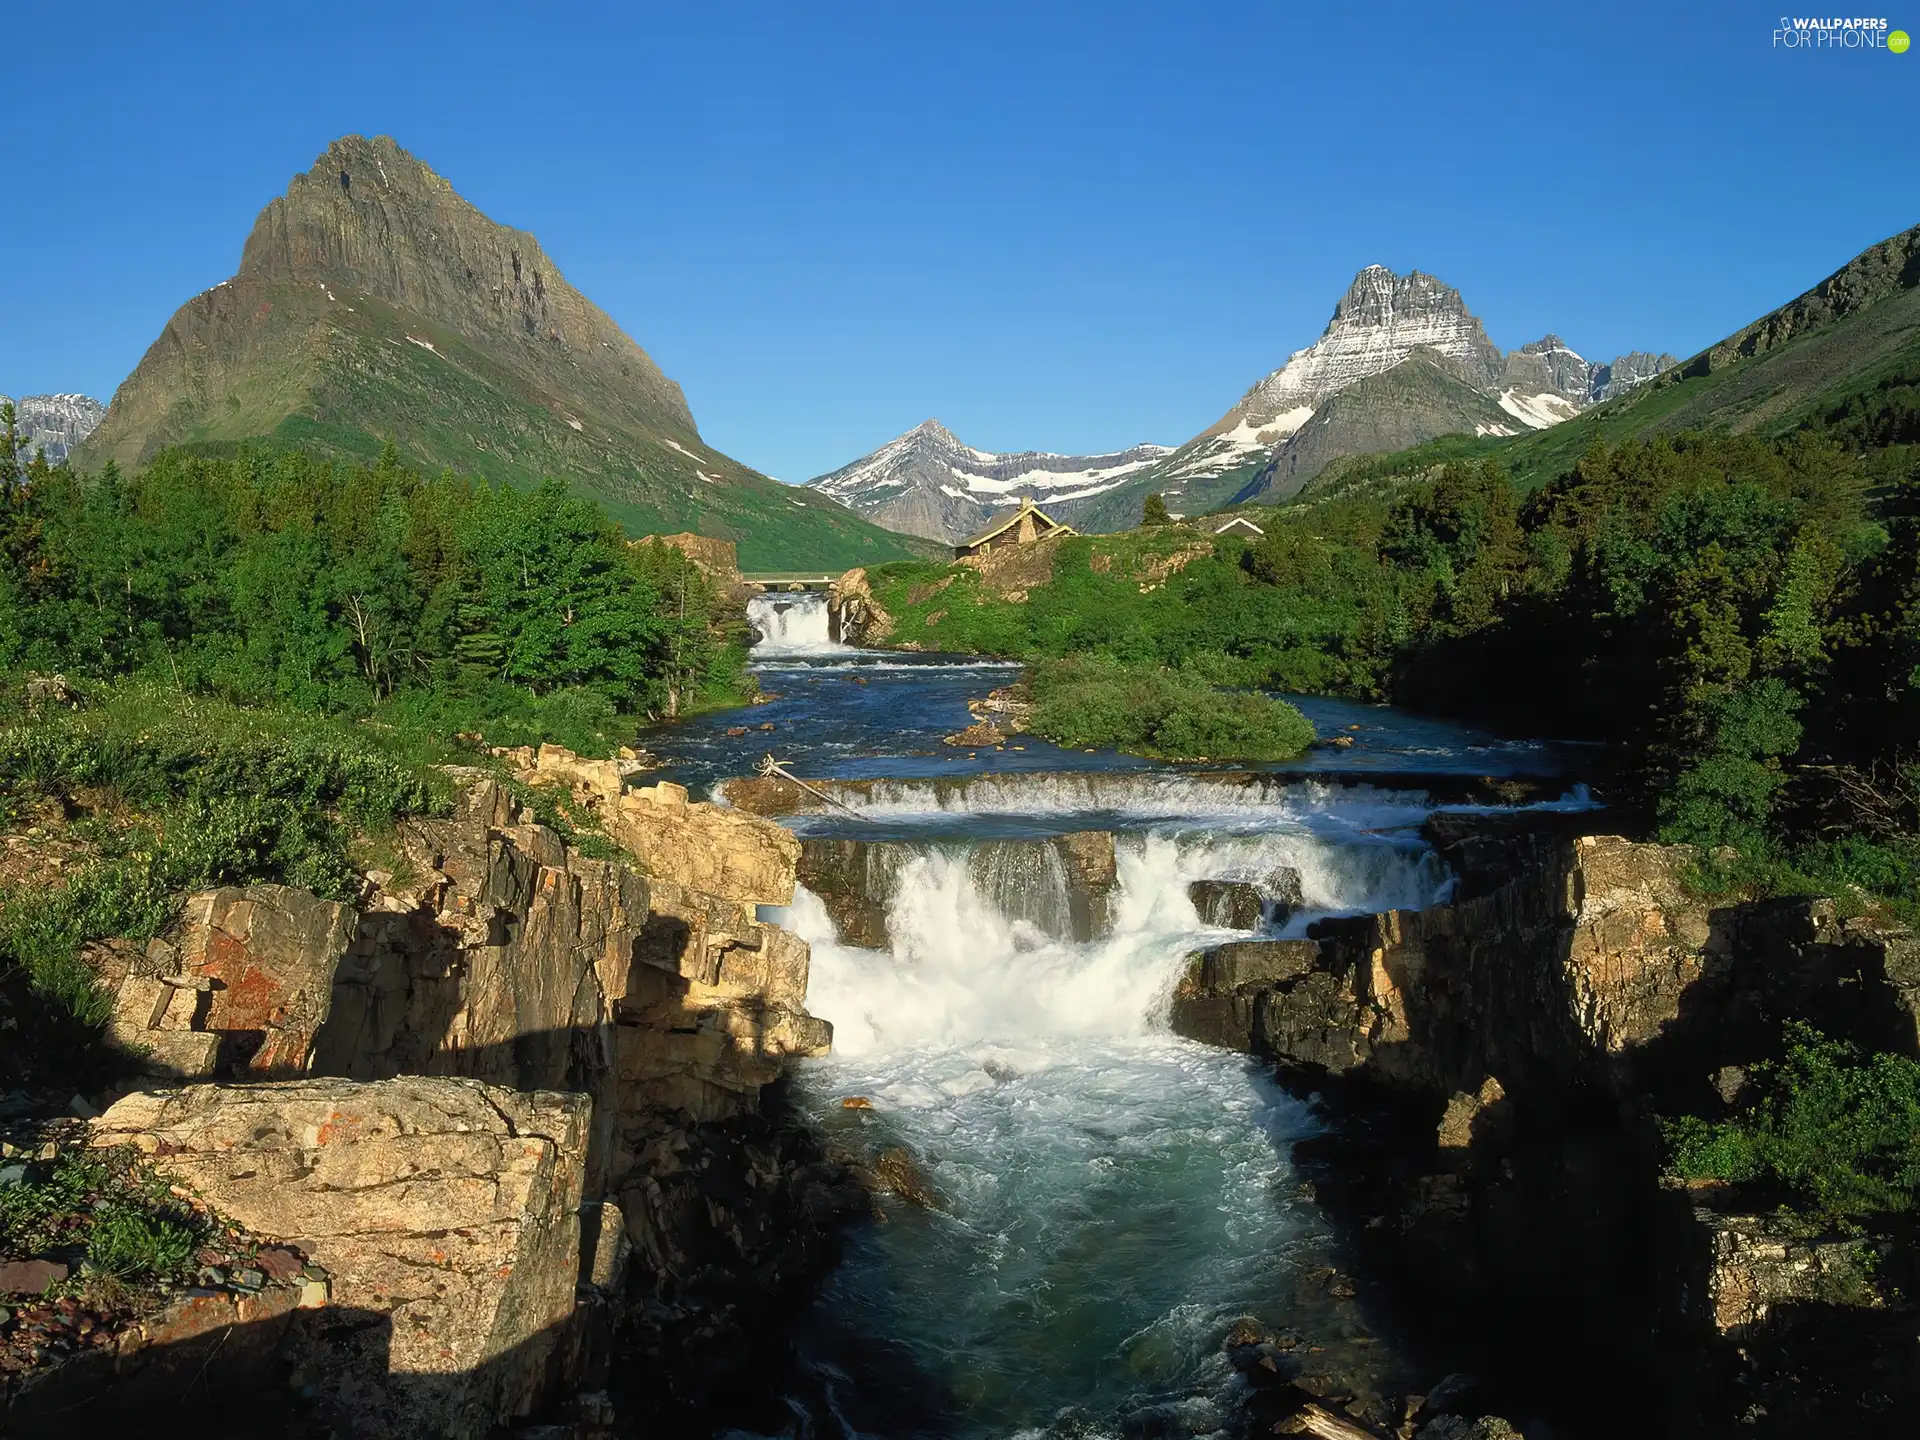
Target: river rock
x=1230, y=904
x=1284, y=892
x=854, y=617
x=1218, y=1000
x=445, y=1210
x=899, y=1172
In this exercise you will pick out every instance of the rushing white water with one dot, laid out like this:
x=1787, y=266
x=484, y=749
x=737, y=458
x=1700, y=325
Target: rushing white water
x=1093, y=798
x=1114, y=1196
x=792, y=625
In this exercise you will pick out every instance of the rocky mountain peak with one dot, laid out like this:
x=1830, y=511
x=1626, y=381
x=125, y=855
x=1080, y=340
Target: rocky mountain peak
x=1549, y=344
x=931, y=429
x=1381, y=319
x=1379, y=297
x=54, y=424
x=369, y=219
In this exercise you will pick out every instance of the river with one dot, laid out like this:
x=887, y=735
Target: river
x=1111, y=1198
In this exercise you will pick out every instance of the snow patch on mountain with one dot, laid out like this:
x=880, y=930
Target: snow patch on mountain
x=1537, y=412
x=927, y=482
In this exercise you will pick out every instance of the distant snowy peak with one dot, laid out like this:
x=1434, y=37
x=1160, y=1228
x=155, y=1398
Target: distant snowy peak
x=55, y=424
x=1381, y=320
x=1550, y=368
x=927, y=482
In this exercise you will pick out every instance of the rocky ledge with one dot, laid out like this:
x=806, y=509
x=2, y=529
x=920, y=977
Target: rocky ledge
x=1496, y=1065
x=515, y=1104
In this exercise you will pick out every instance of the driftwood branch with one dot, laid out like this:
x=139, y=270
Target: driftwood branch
x=1328, y=1426
x=770, y=767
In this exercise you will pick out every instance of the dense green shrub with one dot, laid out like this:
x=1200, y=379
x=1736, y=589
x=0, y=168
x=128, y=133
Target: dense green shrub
x=1091, y=702
x=1831, y=1127
x=279, y=579
x=209, y=794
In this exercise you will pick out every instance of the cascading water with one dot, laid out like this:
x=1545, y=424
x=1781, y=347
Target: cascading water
x=792, y=625
x=1113, y=1197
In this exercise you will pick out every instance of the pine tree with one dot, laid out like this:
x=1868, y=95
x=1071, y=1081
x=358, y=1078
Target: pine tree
x=1154, y=511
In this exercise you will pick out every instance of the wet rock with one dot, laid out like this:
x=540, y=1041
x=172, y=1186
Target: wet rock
x=1230, y=904
x=1218, y=999
x=1283, y=891
x=854, y=617
x=900, y=1173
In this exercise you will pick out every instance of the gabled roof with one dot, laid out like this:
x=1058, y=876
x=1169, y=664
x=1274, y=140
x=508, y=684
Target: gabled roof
x=1008, y=521
x=1228, y=524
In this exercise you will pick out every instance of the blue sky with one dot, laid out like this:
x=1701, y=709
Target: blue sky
x=1054, y=226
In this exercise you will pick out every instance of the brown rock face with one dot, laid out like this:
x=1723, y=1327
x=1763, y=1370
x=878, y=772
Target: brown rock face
x=854, y=617
x=1553, y=974
x=446, y=1207
x=269, y=954
x=705, y=847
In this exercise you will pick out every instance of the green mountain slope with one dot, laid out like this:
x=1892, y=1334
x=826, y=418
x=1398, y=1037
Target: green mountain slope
x=373, y=303
x=1421, y=397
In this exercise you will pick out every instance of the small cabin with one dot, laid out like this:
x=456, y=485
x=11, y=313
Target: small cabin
x=1241, y=526
x=1017, y=527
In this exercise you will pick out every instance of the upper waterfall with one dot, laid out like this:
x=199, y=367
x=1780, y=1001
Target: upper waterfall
x=791, y=624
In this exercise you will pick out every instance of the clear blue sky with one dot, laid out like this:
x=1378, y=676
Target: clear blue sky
x=1053, y=226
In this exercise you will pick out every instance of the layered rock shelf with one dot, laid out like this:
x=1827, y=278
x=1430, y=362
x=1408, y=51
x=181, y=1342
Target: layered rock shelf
x=510, y=1102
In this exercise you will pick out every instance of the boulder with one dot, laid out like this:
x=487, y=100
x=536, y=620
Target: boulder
x=854, y=617
x=1219, y=999
x=1230, y=904
x=1282, y=889
x=705, y=847
x=445, y=1210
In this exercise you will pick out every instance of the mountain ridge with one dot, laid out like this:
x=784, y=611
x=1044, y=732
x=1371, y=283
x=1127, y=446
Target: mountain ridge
x=1282, y=431
x=373, y=303
x=929, y=483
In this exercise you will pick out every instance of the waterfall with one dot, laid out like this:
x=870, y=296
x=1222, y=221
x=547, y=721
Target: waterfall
x=1113, y=1197
x=792, y=625
x=980, y=934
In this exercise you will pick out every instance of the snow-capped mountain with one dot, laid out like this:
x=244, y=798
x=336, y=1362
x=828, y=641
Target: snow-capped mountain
x=1403, y=357
x=55, y=423
x=1382, y=320
x=928, y=483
